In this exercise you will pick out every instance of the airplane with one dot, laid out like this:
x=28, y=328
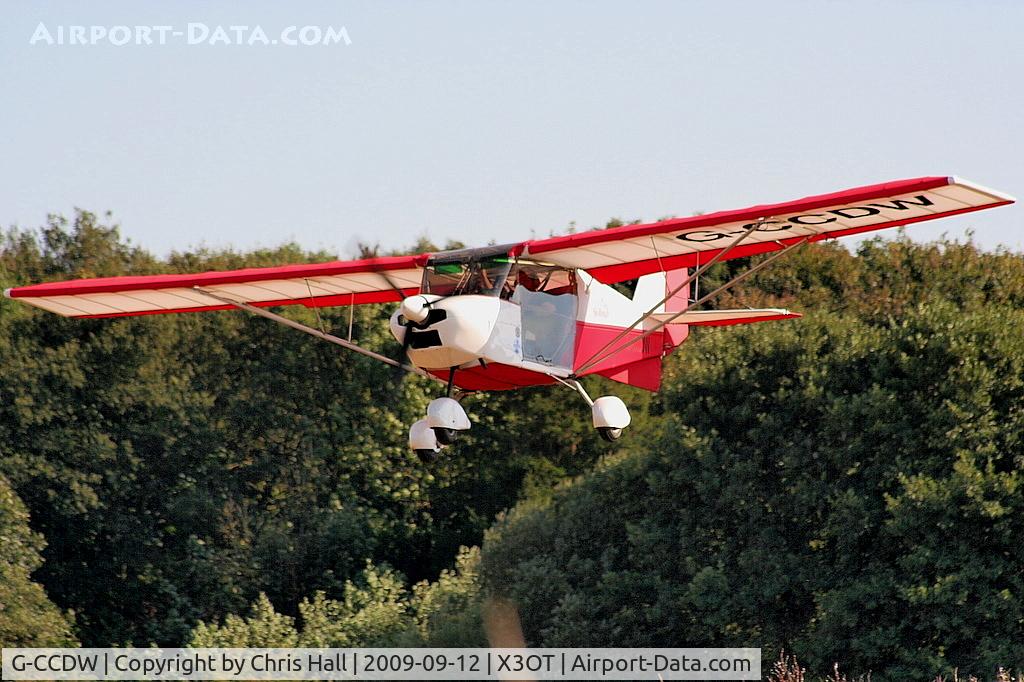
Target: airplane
x=536, y=312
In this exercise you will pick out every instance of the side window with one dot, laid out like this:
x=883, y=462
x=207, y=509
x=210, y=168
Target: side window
x=549, y=326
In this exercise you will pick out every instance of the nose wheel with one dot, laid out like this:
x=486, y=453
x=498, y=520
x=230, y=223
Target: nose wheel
x=445, y=436
x=427, y=456
x=444, y=422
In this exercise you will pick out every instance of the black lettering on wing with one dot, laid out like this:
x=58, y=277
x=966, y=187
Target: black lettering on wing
x=904, y=204
x=701, y=236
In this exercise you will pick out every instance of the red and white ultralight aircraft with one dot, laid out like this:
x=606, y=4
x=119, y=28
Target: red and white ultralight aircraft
x=539, y=311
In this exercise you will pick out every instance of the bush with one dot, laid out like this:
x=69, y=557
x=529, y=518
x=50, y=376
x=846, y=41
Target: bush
x=377, y=610
x=27, y=617
x=850, y=492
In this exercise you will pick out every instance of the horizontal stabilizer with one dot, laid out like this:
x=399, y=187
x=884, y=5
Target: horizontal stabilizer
x=722, y=318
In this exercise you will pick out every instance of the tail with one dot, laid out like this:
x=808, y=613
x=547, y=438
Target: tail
x=656, y=290
x=654, y=287
x=658, y=293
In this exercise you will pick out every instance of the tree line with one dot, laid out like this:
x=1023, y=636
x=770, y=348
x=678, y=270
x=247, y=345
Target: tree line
x=845, y=486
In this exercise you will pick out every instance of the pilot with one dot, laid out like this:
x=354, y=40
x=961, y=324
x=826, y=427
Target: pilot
x=550, y=329
x=485, y=280
x=528, y=281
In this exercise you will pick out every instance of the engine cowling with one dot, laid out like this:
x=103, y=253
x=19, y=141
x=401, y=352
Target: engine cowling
x=455, y=338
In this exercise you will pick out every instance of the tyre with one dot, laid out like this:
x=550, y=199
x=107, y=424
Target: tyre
x=427, y=456
x=608, y=433
x=445, y=436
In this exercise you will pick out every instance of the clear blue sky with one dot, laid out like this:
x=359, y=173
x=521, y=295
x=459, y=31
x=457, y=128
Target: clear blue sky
x=483, y=121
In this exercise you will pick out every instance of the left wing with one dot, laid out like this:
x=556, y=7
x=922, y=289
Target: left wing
x=373, y=280
x=627, y=252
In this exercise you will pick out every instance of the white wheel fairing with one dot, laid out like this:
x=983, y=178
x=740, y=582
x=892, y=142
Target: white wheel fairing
x=610, y=412
x=421, y=437
x=446, y=413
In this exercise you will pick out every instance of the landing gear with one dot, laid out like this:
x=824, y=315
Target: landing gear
x=445, y=436
x=423, y=441
x=445, y=419
x=609, y=413
x=427, y=456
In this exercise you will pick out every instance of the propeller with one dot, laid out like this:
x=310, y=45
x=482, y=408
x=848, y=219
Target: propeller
x=410, y=322
x=414, y=310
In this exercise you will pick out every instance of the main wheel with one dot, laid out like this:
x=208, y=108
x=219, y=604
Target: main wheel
x=445, y=436
x=427, y=456
x=609, y=434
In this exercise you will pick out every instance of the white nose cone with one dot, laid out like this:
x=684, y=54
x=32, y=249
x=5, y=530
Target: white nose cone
x=415, y=309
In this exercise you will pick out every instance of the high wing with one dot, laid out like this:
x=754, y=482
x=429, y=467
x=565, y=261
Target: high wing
x=374, y=280
x=610, y=255
x=627, y=252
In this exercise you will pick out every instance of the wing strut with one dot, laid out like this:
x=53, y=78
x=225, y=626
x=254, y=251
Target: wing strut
x=594, y=359
x=704, y=299
x=263, y=312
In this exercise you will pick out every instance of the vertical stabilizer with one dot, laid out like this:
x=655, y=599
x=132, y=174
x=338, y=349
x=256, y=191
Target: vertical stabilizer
x=680, y=301
x=653, y=287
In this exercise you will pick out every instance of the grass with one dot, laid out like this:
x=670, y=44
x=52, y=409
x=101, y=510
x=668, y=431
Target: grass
x=787, y=669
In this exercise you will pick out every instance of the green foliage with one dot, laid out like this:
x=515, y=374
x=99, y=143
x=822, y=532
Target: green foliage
x=377, y=610
x=447, y=611
x=846, y=486
x=264, y=627
x=27, y=617
x=179, y=466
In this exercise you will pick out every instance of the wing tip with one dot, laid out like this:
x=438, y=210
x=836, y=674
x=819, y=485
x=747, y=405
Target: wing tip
x=1002, y=197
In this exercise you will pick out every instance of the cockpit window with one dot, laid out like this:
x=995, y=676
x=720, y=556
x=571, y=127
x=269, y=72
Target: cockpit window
x=546, y=295
x=494, y=274
x=486, y=277
x=550, y=279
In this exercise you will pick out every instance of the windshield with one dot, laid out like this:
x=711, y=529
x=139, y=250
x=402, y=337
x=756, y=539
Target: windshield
x=485, y=277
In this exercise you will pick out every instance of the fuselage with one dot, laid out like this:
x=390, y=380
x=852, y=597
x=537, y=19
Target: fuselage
x=524, y=334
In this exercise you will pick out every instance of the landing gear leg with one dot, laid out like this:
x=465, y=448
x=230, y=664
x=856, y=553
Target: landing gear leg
x=451, y=382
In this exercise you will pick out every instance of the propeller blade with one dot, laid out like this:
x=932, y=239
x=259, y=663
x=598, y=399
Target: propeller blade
x=398, y=378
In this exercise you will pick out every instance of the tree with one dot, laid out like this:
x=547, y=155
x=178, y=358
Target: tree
x=179, y=466
x=376, y=610
x=847, y=491
x=27, y=617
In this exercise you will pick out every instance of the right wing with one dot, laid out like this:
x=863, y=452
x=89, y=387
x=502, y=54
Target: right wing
x=373, y=280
